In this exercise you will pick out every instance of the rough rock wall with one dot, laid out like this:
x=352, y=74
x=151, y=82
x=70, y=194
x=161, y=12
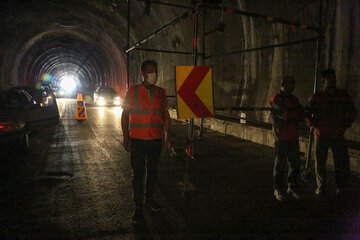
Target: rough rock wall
x=175, y=38
x=250, y=79
x=341, y=50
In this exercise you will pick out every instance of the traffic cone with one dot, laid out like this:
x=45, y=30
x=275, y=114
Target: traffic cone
x=80, y=108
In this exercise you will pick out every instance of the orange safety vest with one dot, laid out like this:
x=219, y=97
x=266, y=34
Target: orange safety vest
x=147, y=112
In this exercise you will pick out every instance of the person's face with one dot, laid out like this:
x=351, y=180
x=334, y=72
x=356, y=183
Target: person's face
x=330, y=81
x=150, y=69
x=288, y=87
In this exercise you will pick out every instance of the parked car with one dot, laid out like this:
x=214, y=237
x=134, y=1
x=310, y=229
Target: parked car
x=106, y=96
x=20, y=115
x=45, y=97
x=17, y=109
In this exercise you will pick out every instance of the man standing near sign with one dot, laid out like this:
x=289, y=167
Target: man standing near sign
x=145, y=123
x=287, y=113
x=331, y=112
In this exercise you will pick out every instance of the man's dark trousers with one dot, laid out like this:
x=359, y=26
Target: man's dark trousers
x=286, y=152
x=337, y=144
x=145, y=156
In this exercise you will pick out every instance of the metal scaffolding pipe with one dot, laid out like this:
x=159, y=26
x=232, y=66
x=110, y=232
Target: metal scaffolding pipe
x=240, y=12
x=128, y=44
x=306, y=173
x=165, y=51
x=168, y=4
x=318, y=47
x=194, y=52
x=263, y=48
x=203, y=63
x=244, y=108
x=264, y=17
x=152, y=35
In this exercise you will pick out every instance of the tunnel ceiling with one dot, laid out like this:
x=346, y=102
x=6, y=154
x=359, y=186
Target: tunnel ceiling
x=85, y=38
x=56, y=38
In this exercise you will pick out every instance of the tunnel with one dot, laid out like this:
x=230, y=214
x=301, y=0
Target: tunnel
x=47, y=50
x=250, y=45
x=75, y=182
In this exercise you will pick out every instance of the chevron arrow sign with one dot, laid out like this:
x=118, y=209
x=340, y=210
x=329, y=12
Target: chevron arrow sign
x=194, y=92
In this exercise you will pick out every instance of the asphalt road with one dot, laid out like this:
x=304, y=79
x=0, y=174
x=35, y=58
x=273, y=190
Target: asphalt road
x=75, y=183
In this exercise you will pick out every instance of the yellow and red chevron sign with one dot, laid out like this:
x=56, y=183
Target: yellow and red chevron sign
x=194, y=92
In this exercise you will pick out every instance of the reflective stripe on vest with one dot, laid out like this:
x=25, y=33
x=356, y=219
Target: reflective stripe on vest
x=146, y=113
x=154, y=125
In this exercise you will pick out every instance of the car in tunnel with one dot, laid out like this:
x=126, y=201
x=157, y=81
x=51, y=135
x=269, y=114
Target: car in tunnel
x=17, y=111
x=20, y=116
x=45, y=97
x=106, y=96
x=59, y=93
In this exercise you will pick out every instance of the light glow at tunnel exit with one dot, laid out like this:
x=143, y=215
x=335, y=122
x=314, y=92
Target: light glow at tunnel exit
x=68, y=82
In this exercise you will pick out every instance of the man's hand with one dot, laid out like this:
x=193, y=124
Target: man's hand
x=126, y=142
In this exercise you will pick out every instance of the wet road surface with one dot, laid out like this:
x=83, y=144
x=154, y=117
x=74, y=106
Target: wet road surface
x=75, y=183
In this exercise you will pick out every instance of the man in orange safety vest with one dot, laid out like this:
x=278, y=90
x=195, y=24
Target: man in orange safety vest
x=145, y=123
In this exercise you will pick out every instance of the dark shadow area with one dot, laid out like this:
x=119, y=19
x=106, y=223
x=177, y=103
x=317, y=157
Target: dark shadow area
x=235, y=195
x=20, y=217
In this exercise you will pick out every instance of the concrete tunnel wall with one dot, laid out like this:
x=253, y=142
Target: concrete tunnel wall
x=89, y=38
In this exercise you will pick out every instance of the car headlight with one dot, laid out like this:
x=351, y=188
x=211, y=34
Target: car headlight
x=101, y=102
x=117, y=98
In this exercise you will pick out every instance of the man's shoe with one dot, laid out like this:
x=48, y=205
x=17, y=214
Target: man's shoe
x=278, y=195
x=293, y=193
x=137, y=215
x=151, y=204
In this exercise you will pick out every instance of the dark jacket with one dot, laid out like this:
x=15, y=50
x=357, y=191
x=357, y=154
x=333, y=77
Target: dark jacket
x=287, y=113
x=330, y=115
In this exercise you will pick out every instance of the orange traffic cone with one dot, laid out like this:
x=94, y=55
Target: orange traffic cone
x=80, y=108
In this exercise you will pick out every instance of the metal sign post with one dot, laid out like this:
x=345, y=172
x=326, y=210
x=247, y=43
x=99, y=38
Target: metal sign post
x=187, y=185
x=306, y=173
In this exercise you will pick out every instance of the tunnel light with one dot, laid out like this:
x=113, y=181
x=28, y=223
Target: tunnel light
x=68, y=83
